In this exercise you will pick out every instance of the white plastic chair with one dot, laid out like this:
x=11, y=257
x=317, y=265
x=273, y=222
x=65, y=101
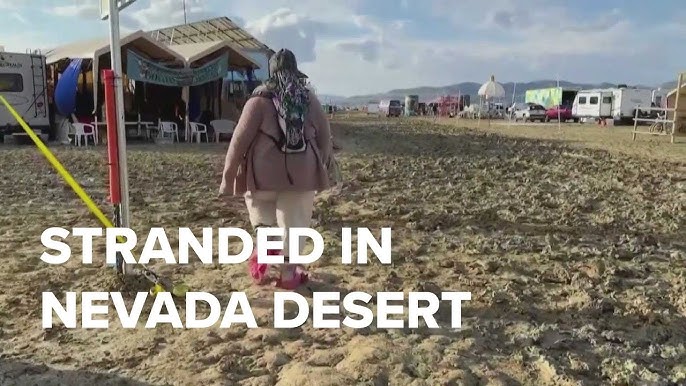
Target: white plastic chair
x=222, y=126
x=169, y=128
x=95, y=130
x=83, y=130
x=197, y=129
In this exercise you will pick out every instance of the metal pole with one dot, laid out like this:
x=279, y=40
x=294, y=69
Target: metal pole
x=115, y=58
x=559, y=121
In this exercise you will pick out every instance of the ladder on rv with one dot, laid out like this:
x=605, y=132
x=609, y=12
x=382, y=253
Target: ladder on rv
x=39, y=86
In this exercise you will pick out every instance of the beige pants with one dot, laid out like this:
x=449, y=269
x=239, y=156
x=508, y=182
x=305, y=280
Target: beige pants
x=281, y=209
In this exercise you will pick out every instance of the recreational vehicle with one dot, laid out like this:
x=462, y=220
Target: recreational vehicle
x=23, y=84
x=618, y=104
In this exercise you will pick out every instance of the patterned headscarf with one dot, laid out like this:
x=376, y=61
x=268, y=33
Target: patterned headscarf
x=292, y=96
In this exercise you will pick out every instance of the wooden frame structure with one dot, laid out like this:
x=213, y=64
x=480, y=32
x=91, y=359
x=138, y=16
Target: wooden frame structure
x=671, y=119
x=219, y=29
x=211, y=30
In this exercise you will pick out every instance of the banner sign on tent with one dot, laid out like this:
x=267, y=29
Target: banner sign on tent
x=143, y=70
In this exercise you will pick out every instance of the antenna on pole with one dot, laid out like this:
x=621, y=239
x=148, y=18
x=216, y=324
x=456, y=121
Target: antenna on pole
x=559, y=107
x=510, y=113
x=184, y=12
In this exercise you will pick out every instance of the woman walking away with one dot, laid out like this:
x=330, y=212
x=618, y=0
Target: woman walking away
x=277, y=157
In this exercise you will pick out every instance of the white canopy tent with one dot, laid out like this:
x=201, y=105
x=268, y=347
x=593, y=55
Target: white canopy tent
x=215, y=30
x=198, y=53
x=488, y=92
x=178, y=55
x=195, y=52
x=94, y=49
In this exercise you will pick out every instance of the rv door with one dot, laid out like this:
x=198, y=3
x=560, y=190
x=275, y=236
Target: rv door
x=606, y=104
x=589, y=104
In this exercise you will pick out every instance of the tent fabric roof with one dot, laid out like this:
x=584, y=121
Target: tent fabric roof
x=193, y=52
x=492, y=89
x=94, y=48
x=210, y=30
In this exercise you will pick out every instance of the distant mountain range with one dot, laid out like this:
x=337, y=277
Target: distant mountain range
x=467, y=88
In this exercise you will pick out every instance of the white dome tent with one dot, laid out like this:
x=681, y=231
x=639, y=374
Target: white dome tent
x=487, y=93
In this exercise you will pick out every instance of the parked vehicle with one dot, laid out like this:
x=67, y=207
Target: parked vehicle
x=563, y=113
x=390, y=108
x=24, y=86
x=619, y=104
x=593, y=104
x=552, y=96
x=528, y=112
x=373, y=108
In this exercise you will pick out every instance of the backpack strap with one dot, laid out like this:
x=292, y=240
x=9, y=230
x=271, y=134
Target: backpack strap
x=277, y=142
x=267, y=95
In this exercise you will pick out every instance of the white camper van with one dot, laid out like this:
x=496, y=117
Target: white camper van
x=23, y=84
x=618, y=104
x=592, y=104
x=372, y=108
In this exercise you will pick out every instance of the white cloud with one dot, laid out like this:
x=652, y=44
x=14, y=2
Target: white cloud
x=285, y=29
x=32, y=40
x=79, y=8
x=165, y=13
x=368, y=49
x=347, y=50
x=18, y=17
x=515, y=42
x=8, y=4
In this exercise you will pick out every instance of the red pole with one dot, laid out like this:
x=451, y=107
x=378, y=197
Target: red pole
x=112, y=148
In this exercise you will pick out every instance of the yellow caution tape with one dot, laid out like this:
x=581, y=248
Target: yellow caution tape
x=157, y=288
x=178, y=289
x=59, y=167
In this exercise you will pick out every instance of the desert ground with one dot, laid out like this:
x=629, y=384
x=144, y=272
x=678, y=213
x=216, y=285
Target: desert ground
x=572, y=242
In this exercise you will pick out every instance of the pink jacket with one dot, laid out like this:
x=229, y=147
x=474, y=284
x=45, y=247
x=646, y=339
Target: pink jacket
x=253, y=162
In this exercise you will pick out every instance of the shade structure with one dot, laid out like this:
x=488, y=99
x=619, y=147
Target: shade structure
x=487, y=92
x=215, y=30
x=96, y=49
x=491, y=89
x=199, y=53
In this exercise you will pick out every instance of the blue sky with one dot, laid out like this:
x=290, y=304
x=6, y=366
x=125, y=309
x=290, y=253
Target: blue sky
x=352, y=47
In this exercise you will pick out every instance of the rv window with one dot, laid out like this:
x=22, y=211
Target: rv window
x=607, y=99
x=582, y=100
x=593, y=100
x=11, y=83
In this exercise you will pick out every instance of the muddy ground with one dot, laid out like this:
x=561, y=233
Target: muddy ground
x=574, y=256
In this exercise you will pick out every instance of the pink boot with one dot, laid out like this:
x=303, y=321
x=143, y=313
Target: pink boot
x=297, y=277
x=258, y=271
